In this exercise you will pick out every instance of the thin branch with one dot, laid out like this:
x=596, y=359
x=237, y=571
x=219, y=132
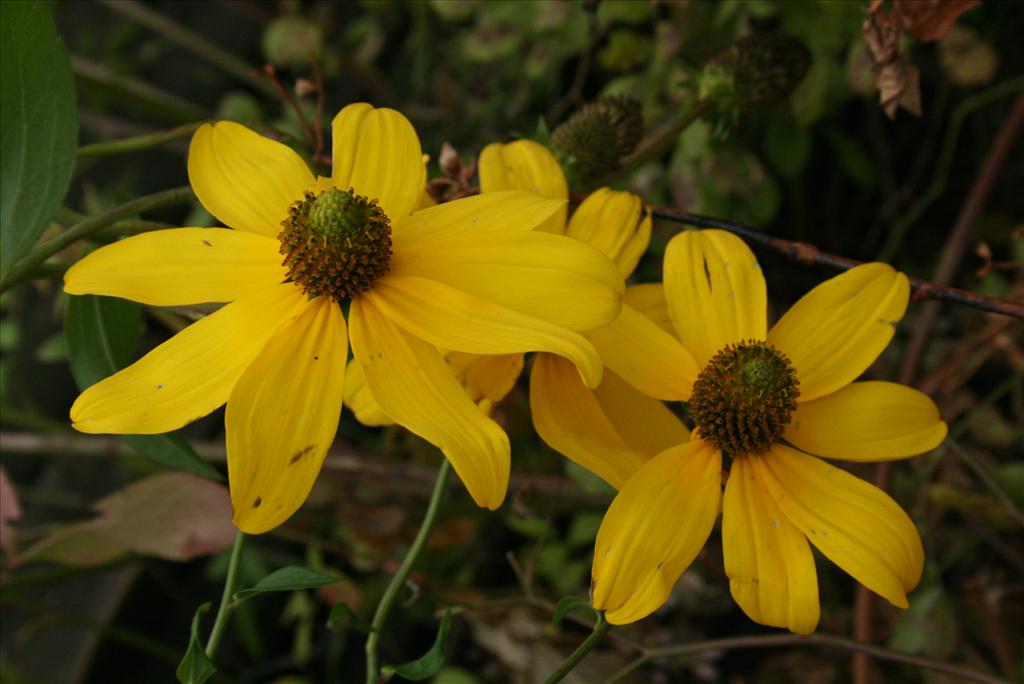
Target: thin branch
x=138, y=142
x=805, y=253
x=270, y=72
x=820, y=640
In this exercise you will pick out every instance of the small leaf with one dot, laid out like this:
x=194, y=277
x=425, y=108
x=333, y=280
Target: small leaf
x=38, y=126
x=196, y=667
x=567, y=605
x=101, y=334
x=431, y=662
x=341, y=613
x=291, y=578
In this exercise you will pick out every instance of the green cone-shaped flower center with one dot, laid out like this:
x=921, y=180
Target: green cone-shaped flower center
x=336, y=243
x=744, y=397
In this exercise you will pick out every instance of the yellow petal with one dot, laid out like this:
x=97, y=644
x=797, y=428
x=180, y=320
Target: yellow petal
x=551, y=277
x=529, y=166
x=646, y=356
x=868, y=421
x=377, y=153
x=359, y=399
x=649, y=299
x=190, y=374
x=244, y=179
x=411, y=383
x=452, y=319
x=840, y=327
x=615, y=223
x=644, y=423
x=654, y=529
x=282, y=417
x=489, y=376
x=854, y=524
x=179, y=267
x=768, y=561
x=501, y=211
x=569, y=418
x=715, y=291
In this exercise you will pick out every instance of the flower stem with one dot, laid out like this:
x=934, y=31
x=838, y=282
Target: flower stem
x=226, y=600
x=138, y=142
x=391, y=593
x=28, y=263
x=600, y=629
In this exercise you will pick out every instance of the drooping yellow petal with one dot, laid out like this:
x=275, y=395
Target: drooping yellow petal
x=644, y=423
x=377, y=153
x=840, y=327
x=452, y=319
x=615, y=223
x=178, y=267
x=768, y=561
x=246, y=180
x=529, y=166
x=551, y=277
x=715, y=292
x=569, y=418
x=856, y=525
x=359, y=399
x=654, y=529
x=412, y=384
x=649, y=299
x=190, y=374
x=486, y=376
x=868, y=421
x=500, y=211
x=646, y=356
x=282, y=417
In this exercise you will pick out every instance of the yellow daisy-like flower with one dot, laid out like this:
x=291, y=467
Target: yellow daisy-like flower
x=615, y=428
x=767, y=399
x=469, y=276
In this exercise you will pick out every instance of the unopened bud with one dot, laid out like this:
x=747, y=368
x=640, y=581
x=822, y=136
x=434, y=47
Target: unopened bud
x=755, y=72
x=590, y=144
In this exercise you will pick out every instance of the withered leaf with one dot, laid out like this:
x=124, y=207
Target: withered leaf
x=931, y=19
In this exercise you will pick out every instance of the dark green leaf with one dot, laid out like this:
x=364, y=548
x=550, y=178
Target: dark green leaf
x=101, y=335
x=342, y=613
x=196, y=667
x=567, y=605
x=431, y=662
x=291, y=578
x=38, y=126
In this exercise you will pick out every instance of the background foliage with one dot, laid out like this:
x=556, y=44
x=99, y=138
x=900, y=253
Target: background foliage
x=111, y=597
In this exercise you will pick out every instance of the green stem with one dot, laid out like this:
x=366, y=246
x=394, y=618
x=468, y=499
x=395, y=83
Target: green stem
x=654, y=146
x=135, y=92
x=193, y=42
x=391, y=593
x=227, y=604
x=945, y=162
x=85, y=228
x=600, y=629
x=138, y=142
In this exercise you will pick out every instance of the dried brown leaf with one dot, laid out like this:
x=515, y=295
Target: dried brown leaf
x=10, y=511
x=175, y=516
x=882, y=34
x=898, y=86
x=931, y=19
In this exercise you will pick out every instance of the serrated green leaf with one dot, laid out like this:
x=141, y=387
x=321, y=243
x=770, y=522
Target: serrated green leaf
x=431, y=662
x=196, y=667
x=342, y=613
x=291, y=578
x=567, y=605
x=38, y=126
x=101, y=334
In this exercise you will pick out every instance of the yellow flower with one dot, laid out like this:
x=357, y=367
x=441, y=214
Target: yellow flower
x=469, y=276
x=767, y=400
x=616, y=427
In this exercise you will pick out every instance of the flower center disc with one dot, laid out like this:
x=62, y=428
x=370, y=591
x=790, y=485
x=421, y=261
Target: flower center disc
x=336, y=243
x=744, y=397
